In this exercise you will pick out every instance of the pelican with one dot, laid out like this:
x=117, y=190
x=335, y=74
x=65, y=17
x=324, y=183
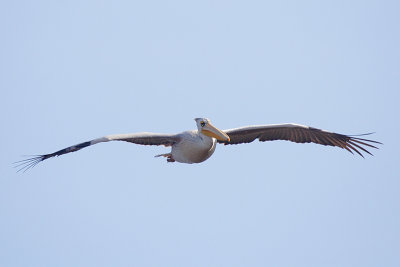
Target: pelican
x=196, y=146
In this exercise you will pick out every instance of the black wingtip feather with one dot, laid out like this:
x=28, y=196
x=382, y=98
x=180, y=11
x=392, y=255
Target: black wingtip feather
x=26, y=164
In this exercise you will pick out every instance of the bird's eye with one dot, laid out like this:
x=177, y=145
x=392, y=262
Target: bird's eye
x=202, y=123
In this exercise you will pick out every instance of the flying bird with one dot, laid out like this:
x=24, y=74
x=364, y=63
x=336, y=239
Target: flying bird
x=196, y=146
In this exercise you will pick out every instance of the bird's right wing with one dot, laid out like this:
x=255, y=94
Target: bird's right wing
x=155, y=139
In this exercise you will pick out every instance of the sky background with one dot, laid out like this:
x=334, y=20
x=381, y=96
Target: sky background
x=71, y=71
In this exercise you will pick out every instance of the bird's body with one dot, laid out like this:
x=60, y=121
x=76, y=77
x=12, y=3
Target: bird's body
x=198, y=145
x=193, y=147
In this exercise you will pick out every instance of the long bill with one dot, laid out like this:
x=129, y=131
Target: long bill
x=212, y=131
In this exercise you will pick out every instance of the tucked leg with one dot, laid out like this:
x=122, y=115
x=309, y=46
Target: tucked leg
x=167, y=155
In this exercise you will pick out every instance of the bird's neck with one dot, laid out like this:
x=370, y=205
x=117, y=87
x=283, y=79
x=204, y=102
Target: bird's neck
x=206, y=139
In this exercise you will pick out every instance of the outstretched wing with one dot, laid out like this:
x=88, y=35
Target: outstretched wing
x=298, y=134
x=136, y=138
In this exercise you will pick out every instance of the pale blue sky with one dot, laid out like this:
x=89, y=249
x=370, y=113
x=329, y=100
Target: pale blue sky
x=72, y=71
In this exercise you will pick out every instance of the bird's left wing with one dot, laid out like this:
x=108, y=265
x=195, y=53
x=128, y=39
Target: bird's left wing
x=299, y=134
x=136, y=138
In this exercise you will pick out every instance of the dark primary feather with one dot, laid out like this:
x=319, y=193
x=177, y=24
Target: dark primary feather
x=26, y=164
x=299, y=134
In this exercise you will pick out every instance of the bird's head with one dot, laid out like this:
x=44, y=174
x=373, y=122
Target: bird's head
x=205, y=127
